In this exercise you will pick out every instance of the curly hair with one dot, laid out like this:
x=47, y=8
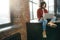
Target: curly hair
x=42, y=3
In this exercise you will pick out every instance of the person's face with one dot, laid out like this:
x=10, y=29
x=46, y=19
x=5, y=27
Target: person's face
x=43, y=6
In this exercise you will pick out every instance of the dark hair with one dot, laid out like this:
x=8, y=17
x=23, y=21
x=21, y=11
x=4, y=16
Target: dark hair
x=42, y=3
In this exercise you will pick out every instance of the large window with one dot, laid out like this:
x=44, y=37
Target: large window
x=4, y=12
x=33, y=4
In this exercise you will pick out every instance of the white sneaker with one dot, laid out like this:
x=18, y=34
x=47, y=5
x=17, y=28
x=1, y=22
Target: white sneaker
x=44, y=36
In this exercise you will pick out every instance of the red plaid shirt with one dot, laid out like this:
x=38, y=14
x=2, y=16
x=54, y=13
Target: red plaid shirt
x=40, y=13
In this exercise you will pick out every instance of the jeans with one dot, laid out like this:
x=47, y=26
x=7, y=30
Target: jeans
x=44, y=22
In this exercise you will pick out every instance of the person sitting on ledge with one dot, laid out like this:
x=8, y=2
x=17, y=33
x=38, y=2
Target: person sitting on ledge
x=40, y=14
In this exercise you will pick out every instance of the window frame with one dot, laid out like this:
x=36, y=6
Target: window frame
x=57, y=15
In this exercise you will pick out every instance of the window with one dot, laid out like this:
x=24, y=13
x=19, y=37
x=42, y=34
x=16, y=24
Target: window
x=58, y=7
x=33, y=4
x=4, y=12
x=50, y=6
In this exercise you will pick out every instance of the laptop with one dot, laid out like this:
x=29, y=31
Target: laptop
x=48, y=16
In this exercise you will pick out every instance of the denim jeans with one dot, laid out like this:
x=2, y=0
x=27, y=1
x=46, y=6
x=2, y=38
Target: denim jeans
x=44, y=22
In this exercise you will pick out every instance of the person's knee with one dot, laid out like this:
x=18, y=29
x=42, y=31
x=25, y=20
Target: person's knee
x=45, y=21
x=54, y=17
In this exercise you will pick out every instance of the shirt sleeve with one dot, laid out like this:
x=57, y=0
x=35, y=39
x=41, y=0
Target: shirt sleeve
x=38, y=14
x=46, y=11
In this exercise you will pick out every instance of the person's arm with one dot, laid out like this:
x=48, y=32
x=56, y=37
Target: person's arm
x=38, y=14
x=44, y=13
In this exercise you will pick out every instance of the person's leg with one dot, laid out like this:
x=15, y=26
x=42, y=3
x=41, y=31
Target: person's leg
x=40, y=21
x=52, y=22
x=53, y=19
x=44, y=28
x=44, y=22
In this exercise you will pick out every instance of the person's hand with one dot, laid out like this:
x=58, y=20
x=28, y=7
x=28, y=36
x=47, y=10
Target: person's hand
x=42, y=18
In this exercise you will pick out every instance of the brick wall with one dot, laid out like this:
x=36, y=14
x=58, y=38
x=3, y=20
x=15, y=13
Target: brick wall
x=20, y=10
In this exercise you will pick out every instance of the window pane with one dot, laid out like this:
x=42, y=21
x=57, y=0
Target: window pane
x=4, y=11
x=30, y=6
x=35, y=7
x=50, y=5
x=58, y=7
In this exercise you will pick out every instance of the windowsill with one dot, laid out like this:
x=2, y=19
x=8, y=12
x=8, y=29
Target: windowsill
x=8, y=28
x=34, y=21
x=5, y=29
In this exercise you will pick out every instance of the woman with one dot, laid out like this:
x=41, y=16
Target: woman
x=40, y=14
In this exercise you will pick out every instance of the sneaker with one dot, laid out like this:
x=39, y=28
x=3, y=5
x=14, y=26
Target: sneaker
x=52, y=25
x=44, y=36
